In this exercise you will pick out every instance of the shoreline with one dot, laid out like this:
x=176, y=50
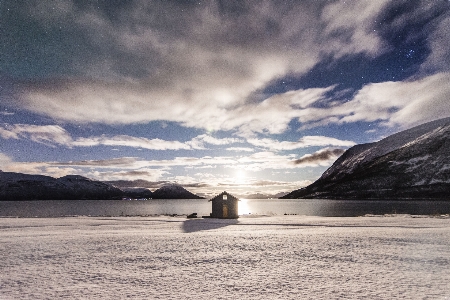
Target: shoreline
x=247, y=216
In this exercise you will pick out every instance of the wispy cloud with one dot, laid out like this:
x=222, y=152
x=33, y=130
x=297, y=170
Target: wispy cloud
x=129, y=141
x=47, y=134
x=8, y=134
x=56, y=135
x=240, y=149
x=133, y=166
x=147, y=174
x=439, y=58
x=122, y=162
x=200, y=141
x=323, y=156
x=4, y=160
x=304, y=142
x=160, y=171
x=403, y=104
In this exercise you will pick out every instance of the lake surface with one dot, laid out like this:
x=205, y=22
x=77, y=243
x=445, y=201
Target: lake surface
x=309, y=207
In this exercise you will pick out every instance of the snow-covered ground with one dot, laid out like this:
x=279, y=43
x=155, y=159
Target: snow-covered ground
x=280, y=257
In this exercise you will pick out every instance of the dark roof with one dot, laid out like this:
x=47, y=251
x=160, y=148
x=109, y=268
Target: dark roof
x=220, y=196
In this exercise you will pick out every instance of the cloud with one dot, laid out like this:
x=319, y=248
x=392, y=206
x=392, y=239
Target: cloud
x=129, y=141
x=137, y=163
x=360, y=35
x=8, y=134
x=138, y=183
x=122, y=162
x=265, y=160
x=56, y=135
x=321, y=157
x=6, y=113
x=404, y=104
x=439, y=58
x=4, y=160
x=274, y=183
x=40, y=168
x=147, y=174
x=52, y=135
x=240, y=149
x=199, y=141
x=46, y=134
x=202, y=61
x=131, y=168
x=304, y=142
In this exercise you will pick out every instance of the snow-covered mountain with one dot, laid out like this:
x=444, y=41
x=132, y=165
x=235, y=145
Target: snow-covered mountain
x=140, y=189
x=414, y=163
x=17, y=186
x=173, y=191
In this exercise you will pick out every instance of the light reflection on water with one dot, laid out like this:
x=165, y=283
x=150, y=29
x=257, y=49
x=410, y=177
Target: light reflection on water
x=311, y=207
x=243, y=208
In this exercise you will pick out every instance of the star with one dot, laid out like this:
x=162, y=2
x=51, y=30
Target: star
x=410, y=53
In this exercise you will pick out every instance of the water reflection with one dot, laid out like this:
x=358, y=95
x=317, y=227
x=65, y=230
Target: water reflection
x=243, y=208
x=310, y=207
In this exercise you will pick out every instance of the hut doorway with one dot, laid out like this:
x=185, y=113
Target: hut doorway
x=225, y=211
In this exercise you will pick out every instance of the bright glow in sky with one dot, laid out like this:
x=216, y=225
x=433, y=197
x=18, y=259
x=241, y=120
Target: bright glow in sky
x=244, y=96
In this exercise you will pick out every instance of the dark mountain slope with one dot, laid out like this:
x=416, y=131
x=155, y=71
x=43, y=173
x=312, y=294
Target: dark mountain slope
x=17, y=186
x=413, y=164
x=173, y=191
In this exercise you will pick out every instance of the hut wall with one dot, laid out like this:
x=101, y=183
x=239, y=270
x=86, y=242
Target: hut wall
x=225, y=209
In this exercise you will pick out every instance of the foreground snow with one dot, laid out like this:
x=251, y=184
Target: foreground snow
x=283, y=257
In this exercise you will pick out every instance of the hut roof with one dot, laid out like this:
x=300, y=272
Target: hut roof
x=220, y=196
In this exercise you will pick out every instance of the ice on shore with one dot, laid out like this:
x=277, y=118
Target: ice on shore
x=283, y=257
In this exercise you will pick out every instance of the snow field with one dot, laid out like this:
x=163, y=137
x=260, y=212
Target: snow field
x=282, y=257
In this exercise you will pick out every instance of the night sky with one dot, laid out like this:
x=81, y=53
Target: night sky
x=244, y=96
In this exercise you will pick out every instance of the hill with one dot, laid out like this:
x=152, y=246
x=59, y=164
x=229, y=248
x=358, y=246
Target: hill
x=173, y=191
x=17, y=186
x=412, y=164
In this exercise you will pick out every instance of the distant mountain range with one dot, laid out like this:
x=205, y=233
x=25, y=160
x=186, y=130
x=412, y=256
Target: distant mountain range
x=262, y=196
x=173, y=191
x=17, y=186
x=412, y=164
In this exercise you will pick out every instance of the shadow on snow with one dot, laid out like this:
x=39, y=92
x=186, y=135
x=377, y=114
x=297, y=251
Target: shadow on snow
x=194, y=225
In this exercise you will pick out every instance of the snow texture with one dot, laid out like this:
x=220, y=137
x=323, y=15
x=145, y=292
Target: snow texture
x=285, y=257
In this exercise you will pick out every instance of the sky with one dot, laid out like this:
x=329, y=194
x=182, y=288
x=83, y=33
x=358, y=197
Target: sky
x=243, y=96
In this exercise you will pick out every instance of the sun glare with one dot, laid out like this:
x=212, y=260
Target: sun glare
x=240, y=177
x=243, y=208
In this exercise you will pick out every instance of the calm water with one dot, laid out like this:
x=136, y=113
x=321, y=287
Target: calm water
x=316, y=207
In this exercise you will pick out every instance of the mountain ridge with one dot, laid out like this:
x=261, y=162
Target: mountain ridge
x=411, y=164
x=18, y=186
x=21, y=187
